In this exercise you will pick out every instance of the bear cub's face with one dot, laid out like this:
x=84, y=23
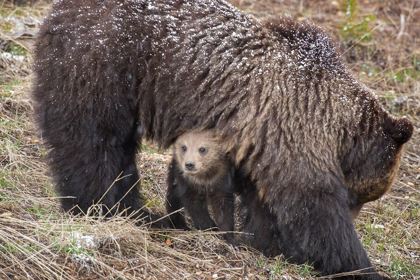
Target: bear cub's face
x=200, y=157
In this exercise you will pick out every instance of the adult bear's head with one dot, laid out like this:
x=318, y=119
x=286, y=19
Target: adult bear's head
x=372, y=163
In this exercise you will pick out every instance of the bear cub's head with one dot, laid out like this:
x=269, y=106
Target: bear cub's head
x=201, y=157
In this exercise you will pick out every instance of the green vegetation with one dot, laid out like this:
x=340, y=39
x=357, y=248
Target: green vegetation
x=279, y=267
x=354, y=29
x=399, y=269
x=411, y=72
x=148, y=148
x=15, y=49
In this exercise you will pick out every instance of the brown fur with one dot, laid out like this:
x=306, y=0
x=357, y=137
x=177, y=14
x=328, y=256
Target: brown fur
x=311, y=138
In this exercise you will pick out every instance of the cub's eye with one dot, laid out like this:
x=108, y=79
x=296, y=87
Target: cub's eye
x=202, y=150
x=184, y=148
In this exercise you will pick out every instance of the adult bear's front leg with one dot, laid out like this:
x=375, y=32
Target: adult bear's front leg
x=315, y=226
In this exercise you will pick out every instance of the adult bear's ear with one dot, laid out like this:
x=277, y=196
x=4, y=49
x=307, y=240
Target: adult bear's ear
x=399, y=130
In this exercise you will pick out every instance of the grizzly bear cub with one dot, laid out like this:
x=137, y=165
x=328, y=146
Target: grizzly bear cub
x=199, y=171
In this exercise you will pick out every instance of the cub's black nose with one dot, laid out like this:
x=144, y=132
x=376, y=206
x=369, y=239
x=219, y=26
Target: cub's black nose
x=189, y=165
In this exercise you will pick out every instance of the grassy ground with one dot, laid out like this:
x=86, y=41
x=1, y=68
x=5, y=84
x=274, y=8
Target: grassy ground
x=380, y=40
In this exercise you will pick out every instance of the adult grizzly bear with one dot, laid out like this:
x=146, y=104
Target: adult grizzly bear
x=311, y=138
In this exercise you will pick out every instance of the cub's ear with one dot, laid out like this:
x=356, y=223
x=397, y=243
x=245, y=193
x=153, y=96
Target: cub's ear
x=400, y=130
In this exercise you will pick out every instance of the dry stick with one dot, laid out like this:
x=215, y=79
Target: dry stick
x=404, y=198
x=38, y=261
x=111, y=269
x=119, y=201
x=349, y=273
x=15, y=262
x=358, y=41
x=113, y=183
x=395, y=220
x=14, y=41
x=19, y=236
x=402, y=26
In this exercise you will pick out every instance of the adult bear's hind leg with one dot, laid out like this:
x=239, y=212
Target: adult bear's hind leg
x=86, y=170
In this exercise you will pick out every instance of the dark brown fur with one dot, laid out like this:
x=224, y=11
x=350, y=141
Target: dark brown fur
x=312, y=139
x=200, y=170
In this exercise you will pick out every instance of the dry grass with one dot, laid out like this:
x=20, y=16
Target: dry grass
x=38, y=241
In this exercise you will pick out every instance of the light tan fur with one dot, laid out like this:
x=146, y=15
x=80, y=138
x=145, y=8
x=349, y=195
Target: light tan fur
x=209, y=167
